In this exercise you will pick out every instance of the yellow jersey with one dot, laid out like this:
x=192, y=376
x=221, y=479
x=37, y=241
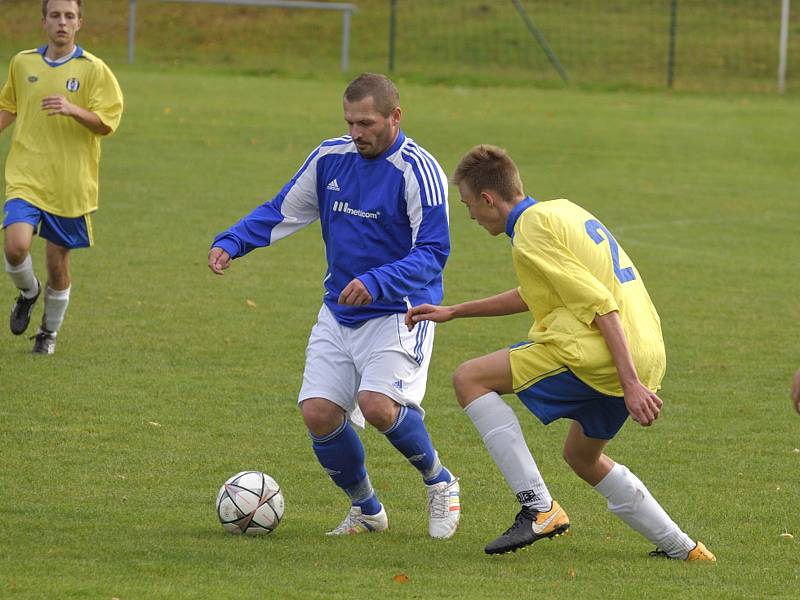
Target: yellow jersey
x=571, y=269
x=54, y=162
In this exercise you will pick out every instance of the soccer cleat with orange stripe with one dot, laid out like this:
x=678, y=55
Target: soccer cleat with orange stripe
x=357, y=522
x=699, y=553
x=530, y=526
x=444, y=507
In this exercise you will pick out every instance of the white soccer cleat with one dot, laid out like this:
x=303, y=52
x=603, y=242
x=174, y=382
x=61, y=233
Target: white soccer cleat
x=357, y=522
x=445, y=509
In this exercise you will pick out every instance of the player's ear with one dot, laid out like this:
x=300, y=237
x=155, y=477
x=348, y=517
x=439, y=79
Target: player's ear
x=488, y=198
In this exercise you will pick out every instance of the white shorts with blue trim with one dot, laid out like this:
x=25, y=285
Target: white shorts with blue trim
x=379, y=356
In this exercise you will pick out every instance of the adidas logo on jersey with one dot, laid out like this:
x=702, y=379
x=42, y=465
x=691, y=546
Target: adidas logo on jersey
x=398, y=384
x=334, y=186
x=344, y=207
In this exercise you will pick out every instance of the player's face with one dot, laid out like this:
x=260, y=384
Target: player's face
x=482, y=209
x=61, y=22
x=372, y=133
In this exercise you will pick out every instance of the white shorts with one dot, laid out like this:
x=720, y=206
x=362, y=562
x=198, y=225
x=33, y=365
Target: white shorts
x=380, y=356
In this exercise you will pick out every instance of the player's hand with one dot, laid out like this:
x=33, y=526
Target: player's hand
x=428, y=312
x=355, y=293
x=796, y=391
x=642, y=404
x=58, y=105
x=218, y=260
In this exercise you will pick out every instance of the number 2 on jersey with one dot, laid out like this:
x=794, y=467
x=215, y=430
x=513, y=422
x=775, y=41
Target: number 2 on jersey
x=593, y=228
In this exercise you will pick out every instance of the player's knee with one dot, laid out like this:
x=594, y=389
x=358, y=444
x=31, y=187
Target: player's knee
x=379, y=410
x=574, y=459
x=464, y=383
x=461, y=377
x=321, y=416
x=15, y=253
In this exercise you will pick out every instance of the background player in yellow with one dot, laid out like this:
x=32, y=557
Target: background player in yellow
x=62, y=100
x=594, y=355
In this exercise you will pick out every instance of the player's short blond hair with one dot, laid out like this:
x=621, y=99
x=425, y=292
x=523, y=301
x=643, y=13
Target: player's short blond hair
x=78, y=2
x=488, y=167
x=384, y=93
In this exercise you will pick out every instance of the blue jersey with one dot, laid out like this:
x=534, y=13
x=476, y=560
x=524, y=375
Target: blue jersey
x=384, y=220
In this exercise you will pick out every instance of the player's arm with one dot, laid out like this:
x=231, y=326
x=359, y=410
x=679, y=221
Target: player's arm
x=642, y=403
x=796, y=392
x=58, y=105
x=294, y=207
x=507, y=303
x=6, y=119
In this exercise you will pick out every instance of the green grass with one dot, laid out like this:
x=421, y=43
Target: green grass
x=166, y=382
x=722, y=45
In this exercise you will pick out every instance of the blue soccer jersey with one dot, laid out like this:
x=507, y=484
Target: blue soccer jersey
x=384, y=220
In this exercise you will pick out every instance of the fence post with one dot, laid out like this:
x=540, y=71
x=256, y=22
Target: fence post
x=784, y=43
x=131, y=31
x=345, y=40
x=551, y=56
x=673, y=34
x=392, y=32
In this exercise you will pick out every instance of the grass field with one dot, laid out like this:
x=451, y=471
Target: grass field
x=166, y=380
x=722, y=45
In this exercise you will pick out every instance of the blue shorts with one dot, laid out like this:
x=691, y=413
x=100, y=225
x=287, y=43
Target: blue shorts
x=69, y=232
x=565, y=396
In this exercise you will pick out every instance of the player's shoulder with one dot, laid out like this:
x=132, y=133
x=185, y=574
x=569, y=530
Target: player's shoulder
x=559, y=209
x=342, y=140
x=413, y=158
x=411, y=147
x=95, y=61
x=333, y=146
x=25, y=55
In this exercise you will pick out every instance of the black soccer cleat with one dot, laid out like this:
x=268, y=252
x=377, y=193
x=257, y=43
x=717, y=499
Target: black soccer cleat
x=21, y=313
x=44, y=342
x=529, y=526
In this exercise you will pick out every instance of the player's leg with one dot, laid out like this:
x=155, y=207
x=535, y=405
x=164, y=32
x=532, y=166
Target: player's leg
x=393, y=363
x=627, y=496
x=18, y=229
x=479, y=384
x=404, y=428
x=341, y=453
x=63, y=234
x=56, y=297
x=327, y=402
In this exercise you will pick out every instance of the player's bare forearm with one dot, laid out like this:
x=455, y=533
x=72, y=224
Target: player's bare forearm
x=642, y=403
x=796, y=392
x=507, y=303
x=6, y=119
x=58, y=105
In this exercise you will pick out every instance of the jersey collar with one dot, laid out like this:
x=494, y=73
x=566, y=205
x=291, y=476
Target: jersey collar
x=76, y=54
x=401, y=137
x=516, y=212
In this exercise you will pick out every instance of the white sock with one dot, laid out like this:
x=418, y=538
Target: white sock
x=23, y=277
x=502, y=435
x=55, y=305
x=631, y=501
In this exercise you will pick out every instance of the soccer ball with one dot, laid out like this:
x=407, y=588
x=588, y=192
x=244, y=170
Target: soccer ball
x=250, y=502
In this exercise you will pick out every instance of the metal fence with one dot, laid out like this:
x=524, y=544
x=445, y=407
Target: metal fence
x=687, y=44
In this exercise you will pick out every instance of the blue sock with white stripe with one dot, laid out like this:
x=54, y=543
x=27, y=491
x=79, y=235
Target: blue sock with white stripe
x=409, y=436
x=341, y=454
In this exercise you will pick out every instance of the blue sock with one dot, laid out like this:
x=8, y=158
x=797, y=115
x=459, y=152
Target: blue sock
x=409, y=436
x=341, y=454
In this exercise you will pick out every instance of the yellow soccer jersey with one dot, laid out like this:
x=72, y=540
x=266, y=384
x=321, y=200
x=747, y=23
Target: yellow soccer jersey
x=54, y=162
x=570, y=269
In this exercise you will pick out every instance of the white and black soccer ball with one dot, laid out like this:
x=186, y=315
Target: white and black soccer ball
x=251, y=503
